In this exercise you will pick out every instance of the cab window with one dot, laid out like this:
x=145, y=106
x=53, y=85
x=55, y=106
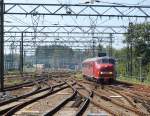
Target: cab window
x=106, y=61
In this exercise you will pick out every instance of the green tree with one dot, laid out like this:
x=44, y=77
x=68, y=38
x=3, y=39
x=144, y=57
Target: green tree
x=55, y=55
x=138, y=40
x=139, y=36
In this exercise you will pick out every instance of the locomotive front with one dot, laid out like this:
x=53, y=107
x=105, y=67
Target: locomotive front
x=106, y=68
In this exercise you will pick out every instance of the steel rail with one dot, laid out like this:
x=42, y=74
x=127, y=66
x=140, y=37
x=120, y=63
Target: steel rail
x=26, y=95
x=22, y=97
x=6, y=110
x=25, y=84
x=120, y=104
x=115, y=102
x=60, y=105
x=24, y=104
x=132, y=93
x=114, y=90
x=95, y=102
x=84, y=106
x=136, y=98
x=120, y=93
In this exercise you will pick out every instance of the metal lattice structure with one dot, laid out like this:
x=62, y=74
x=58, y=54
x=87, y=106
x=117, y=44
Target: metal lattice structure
x=71, y=10
x=1, y=45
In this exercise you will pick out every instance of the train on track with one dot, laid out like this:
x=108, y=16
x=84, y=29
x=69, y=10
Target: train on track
x=99, y=69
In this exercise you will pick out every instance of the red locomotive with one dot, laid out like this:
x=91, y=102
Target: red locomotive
x=100, y=69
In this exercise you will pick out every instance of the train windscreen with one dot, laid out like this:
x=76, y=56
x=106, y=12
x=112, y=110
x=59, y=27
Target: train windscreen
x=106, y=61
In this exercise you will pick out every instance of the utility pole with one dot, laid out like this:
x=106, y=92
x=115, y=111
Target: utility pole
x=110, y=45
x=127, y=59
x=140, y=68
x=93, y=39
x=131, y=45
x=1, y=45
x=131, y=51
x=21, y=55
x=24, y=56
x=35, y=22
x=93, y=48
x=12, y=55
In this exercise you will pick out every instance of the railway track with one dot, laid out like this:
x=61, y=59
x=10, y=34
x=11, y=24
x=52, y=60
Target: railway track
x=36, y=91
x=85, y=101
x=94, y=101
x=25, y=84
x=139, y=99
x=132, y=93
x=116, y=103
x=131, y=108
x=16, y=107
x=35, y=97
x=62, y=106
x=77, y=98
x=29, y=81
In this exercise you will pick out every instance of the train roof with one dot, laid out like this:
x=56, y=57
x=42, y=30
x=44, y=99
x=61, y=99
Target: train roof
x=97, y=58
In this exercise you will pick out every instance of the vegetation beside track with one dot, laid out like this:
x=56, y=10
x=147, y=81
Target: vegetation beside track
x=124, y=79
x=13, y=81
x=79, y=76
x=133, y=80
x=13, y=78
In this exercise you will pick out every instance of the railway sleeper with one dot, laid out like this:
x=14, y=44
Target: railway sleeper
x=26, y=95
x=22, y=105
x=147, y=106
x=105, y=98
x=78, y=101
x=60, y=105
x=119, y=104
x=84, y=105
x=137, y=99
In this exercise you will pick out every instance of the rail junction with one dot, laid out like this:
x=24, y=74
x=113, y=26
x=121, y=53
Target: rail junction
x=76, y=97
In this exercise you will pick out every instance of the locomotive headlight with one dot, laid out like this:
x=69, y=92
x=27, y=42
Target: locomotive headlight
x=102, y=73
x=106, y=72
x=110, y=73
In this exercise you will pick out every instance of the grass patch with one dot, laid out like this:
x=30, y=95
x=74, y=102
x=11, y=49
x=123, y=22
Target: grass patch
x=133, y=80
x=79, y=76
x=13, y=72
x=29, y=69
x=13, y=82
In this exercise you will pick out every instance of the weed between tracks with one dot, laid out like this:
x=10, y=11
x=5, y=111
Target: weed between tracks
x=79, y=76
x=10, y=82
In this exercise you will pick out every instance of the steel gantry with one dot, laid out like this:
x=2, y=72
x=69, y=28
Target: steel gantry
x=66, y=28
x=1, y=45
x=77, y=10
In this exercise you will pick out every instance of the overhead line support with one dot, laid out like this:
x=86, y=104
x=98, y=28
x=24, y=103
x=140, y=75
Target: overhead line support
x=1, y=45
x=96, y=12
x=21, y=55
